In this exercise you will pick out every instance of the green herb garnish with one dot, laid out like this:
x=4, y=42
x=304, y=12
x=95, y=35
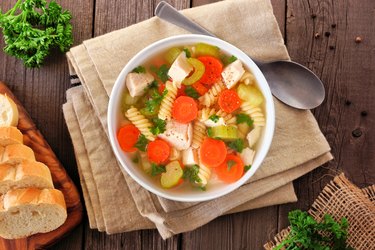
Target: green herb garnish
x=139, y=69
x=159, y=126
x=153, y=85
x=187, y=52
x=192, y=92
x=214, y=118
x=236, y=145
x=243, y=118
x=228, y=59
x=141, y=143
x=161, y=72
x=154, y=102
x=230, y=164
x=157, y=169
x=210, y=133
x=307, y=233
x=191, y=174
x=247, y=168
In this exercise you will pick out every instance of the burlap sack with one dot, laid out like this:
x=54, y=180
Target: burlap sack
x=341, y=198
x=122, y=201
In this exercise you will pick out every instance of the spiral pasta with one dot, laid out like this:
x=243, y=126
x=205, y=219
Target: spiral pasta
x=211, y=96
x=205, y=114
x=255, y=114
x=228, y=118
x=247, y=78
x=165, y=111
x=204, y=174
x=141, y=122
x=199, y=133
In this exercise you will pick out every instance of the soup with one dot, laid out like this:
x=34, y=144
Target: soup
x=192, y=116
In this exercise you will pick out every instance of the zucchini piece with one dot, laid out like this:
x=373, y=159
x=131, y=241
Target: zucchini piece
x=199, y=70
x=250, y=94
x=204, y=49
x=225, y=132
x=172, y=54
x=172, y=175
x=147, y=113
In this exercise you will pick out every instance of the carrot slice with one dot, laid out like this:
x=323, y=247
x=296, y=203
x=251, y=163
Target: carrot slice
x=212, y=152
x=127, y=137
x=213, y=70
x=184, y=109
x=229, y=101
x=231, y=170
x=158, y=151
x=200, y=88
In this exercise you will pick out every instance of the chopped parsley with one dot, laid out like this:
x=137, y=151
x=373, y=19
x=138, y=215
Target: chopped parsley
x=228, y=59
x=191, y=174
x=139, y=69
x=236, y=145
x=161, y=72
x=153, y=85
x=243, y=118
x=209, y=132
x=157, y=169
x=230, y=164
x=214, y=118
x=159, y=126
x=154, y=102
x=192, y=92
x=141, y=143
x=187, y=52
x=247, y=168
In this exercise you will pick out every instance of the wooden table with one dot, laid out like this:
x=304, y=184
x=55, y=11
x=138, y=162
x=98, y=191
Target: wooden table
x=320, y=34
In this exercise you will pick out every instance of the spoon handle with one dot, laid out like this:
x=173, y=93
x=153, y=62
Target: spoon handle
x=167, y=12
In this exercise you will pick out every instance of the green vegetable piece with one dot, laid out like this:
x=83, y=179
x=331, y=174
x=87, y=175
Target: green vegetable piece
x=139, y=69
x=190, y=91
x=187, y=52
x=159, y=126
x=214, y=118
x=153, y=104
x=32, y=28
x=172, y=54
x=157, y=169
x=172, y=175
x=146, y=112
x=191, y=174
x=244, y=118
x=161, y=72
x=141, y=143
x=250, y=93
x=236, y=145
x=198, y=71
x=203, y=49
x=224, y=132
x=228, y=59
x=230, y=164
x=247, y=168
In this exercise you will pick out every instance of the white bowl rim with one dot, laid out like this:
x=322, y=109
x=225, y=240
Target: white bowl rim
x=227, y=47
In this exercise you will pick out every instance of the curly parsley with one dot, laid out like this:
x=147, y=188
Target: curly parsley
x=243, y=118
x=139, y=69
x=159, y=126
x=32, y=28
x=191, y=174
x=157, y=169
x=161, y=72
x=192, y=92
x=154, y=102
x=141, y=143
x=236, y=145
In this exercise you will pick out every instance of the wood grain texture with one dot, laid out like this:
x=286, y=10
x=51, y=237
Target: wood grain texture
x=43, y=153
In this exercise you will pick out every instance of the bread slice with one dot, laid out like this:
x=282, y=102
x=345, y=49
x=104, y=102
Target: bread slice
x=24, y=174
x=10, y=135
x=28, y=211
x=8, y=112
x=15, y=153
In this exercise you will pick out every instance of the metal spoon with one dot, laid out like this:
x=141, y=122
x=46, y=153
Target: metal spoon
x=290, y=82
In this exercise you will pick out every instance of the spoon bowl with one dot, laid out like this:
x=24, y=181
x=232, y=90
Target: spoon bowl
x=290, y=82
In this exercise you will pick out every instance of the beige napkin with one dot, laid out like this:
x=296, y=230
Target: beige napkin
x=117, y=203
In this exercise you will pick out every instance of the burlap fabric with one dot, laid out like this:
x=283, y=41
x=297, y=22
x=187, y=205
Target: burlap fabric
x=115, y=203
x=341, y=198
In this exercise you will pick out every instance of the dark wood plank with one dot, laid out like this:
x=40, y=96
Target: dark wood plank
x=346, y=68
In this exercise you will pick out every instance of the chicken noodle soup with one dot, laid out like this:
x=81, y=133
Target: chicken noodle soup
x=192, y=115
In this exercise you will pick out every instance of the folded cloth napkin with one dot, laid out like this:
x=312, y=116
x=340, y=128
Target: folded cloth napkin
x=115, y=202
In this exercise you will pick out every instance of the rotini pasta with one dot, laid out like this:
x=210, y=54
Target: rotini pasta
x=255, y=114
x=205, y=114
x=211, y=96
x=141, y=122
x=199, y=133
x=167, y=102
x=247, y=78
x=228, y=118
x=204, y=174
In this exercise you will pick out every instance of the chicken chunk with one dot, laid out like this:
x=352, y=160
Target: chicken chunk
x=137, y=83
x=232, y=73
x=180, y=68
x=189, y=157
x=178, y=135
x=247, y=156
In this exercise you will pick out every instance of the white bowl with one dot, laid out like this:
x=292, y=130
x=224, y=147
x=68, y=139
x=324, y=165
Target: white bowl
x=114, y=118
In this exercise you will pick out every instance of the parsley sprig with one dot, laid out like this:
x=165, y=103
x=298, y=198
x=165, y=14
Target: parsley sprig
x=191, y=174
x=159, y=126
x=192, y=92
x=157, y=169
x=154, y=102
x=236, y=145
x=243, y=118
x=141, y=143
x=32, y=28
x=161, y=72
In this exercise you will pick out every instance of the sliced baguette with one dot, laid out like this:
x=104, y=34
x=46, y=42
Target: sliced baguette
x=15, y=153
x=28, y=211
x=10, y=135
x=24, y=174
x=8, y=111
